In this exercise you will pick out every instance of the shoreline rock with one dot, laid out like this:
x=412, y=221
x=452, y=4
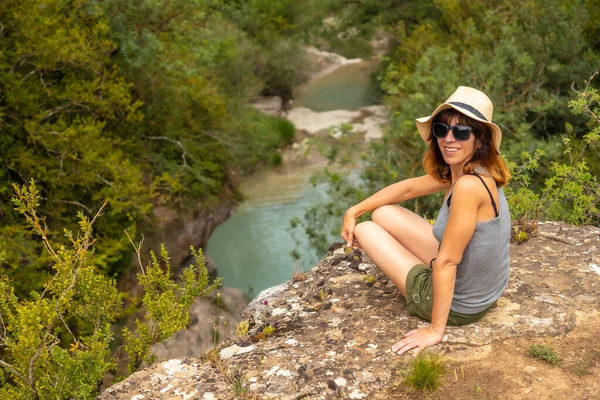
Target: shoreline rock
x=367, y=120
x=324, y=62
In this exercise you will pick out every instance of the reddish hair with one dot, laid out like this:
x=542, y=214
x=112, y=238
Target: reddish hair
x=485, y=152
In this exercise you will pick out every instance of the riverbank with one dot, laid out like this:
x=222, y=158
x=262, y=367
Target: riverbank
x=253, y=249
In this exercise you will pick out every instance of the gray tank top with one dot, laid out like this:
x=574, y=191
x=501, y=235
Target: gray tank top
x=482, y=275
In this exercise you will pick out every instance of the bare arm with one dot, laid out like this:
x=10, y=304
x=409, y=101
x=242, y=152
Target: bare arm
x=395, y=193
x=467, y=198
x=398, y=192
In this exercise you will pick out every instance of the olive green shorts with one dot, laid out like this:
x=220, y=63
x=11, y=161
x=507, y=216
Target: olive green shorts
x=419, y=298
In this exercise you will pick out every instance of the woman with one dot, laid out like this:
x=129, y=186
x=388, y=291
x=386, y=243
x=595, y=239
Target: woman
x=454, y=271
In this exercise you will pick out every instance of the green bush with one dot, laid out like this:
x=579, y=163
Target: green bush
x=276, y=159
x=287, y=130
x=57, y=343
x=571, y=192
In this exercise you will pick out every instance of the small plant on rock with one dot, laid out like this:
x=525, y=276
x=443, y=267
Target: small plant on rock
x=322, y=294
x=544, y=352
x=268, y=330
x=370, y=279
x=519, y=235
x=425, y=372
x=241, y=330
x=239, y=388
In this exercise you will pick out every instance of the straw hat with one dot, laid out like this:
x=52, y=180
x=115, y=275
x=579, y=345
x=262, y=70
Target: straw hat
x=470, y=102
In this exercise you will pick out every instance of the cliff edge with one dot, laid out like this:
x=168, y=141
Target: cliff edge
x=334, y=329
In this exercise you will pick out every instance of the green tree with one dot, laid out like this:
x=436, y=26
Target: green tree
x=195, y=67
x=349, y=27
x=60, y=95
x=276, y=30
x=572, y=192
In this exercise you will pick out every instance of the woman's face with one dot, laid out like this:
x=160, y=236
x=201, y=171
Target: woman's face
x=456, y=153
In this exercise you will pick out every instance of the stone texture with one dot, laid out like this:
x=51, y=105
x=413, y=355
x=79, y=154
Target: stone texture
x=323, y=62
x=367, y=120
x=184, y=378
x=371, y=125
x=314, y=122
x=177, y=230
x=334, y=330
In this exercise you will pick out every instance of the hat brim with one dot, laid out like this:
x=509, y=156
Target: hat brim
x=424, y=124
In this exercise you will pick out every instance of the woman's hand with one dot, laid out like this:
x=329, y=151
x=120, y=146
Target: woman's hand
x=348, y=229
x=418, y=339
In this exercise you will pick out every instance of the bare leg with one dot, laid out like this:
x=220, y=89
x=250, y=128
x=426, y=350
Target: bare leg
x=411, y=230
x=397, y=240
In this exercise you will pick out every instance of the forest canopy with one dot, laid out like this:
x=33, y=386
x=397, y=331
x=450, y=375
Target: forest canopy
x=138, y=103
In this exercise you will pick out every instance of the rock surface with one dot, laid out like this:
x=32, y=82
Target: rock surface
x=367, y=120
x=334, y=329
x=324, y=62
x=269, y=105
x=177, y=230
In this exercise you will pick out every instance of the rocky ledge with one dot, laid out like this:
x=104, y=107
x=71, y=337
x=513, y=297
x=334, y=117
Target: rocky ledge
x=333, y=329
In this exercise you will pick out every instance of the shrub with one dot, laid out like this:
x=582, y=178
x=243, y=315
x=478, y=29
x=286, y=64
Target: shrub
x=287, y=130
x=572, y=192
x=276, y=159
x=57, y=342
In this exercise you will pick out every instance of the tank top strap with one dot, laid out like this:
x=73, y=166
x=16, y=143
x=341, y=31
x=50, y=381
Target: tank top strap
x=489, y=192
x=486, y=188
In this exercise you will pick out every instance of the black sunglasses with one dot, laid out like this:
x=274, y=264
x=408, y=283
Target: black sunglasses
x=460, y=132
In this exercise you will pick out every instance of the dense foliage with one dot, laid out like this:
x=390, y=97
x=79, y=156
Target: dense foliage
x=59, y=343
x=352, y=26
x=136, y=103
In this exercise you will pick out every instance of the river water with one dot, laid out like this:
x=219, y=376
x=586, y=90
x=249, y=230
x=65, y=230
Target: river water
x=347, y=88
x=252, y=249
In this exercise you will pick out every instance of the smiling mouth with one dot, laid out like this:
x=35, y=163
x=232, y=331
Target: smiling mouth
x=451, y=149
